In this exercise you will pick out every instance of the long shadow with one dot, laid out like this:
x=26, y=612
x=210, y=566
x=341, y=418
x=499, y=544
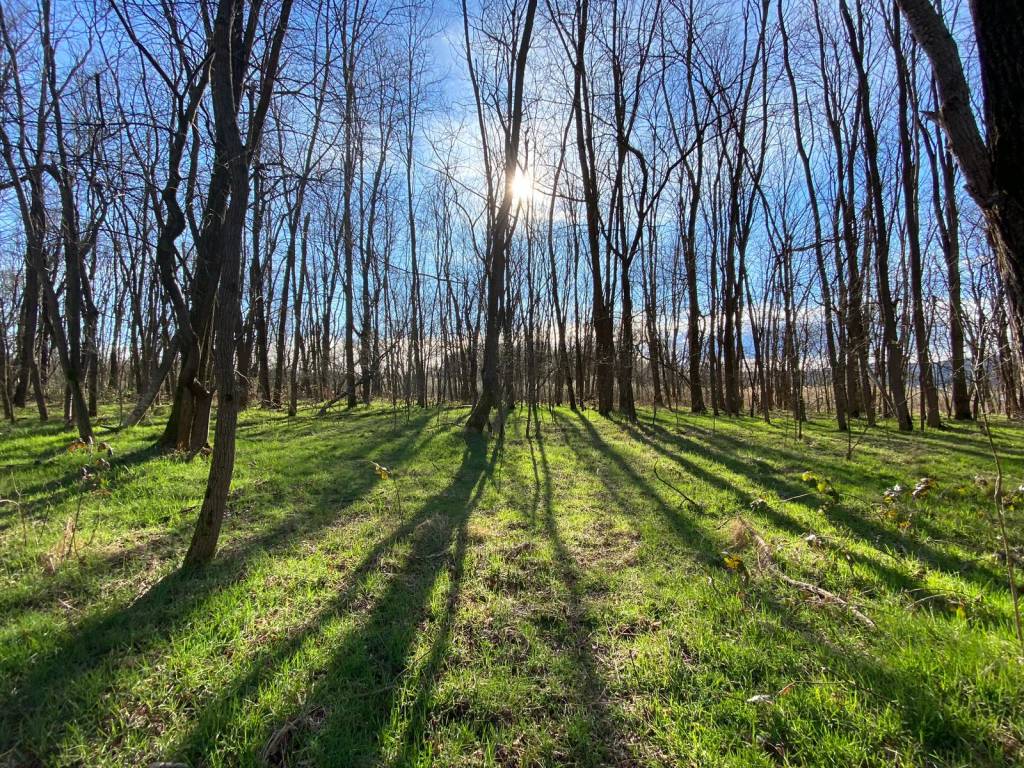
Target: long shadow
x=726, y=448
x=925, y=712
x=882, y=538
x=927, y=717
x=417, y=710
x=51, y=430
x=754, y=469
x=742, y=499
x=846, y=520
x=769, y=512
x=59, y=490
x=47, y=698
x=703, y=549
x=842, y=516
x=830, y=448
x=356, y=692
x=600, y=743
x=970, y=440
x=89, y=575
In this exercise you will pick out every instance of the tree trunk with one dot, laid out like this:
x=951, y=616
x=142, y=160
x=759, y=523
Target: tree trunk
x=994, y=172
x=235, y=157
x=893, y=350
x=497, y=246
x=910, y=182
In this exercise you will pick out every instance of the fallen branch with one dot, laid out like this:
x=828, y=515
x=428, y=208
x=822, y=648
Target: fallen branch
x=767, y=563
x=275, y=752
x=330, y=403
x=677, y=490
x=148, y=395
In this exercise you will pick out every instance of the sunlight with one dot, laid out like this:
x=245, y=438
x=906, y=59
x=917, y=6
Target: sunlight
x=522, y=186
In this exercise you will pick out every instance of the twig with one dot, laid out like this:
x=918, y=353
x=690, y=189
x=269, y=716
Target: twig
x=794, y=498
x=850, y=446
x=767, y=562
x=666, y=482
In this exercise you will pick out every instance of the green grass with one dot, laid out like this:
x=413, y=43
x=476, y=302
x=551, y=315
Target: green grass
x=543, y=601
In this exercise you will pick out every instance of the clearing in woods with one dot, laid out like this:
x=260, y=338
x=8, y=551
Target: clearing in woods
x=592, y=594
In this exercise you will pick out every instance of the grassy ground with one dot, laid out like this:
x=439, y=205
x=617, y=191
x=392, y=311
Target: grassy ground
x=543, y=601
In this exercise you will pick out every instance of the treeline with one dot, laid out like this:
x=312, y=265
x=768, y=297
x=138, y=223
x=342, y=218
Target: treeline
x=735, y=207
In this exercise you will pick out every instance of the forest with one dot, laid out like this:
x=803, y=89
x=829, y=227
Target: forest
x=511, y=382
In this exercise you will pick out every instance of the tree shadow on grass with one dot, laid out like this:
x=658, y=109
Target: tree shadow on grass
x=769, y=511
x=35, y=430
x=56, y=692
x=884, y=683
x=924, y=707
x=880, y=537
x=350, y=703
x=416, y=709
x=725, y=450
x=57, y=491
x=849, y=520
x=595, y=736
x=703, y=548
x=88, y=576
x=741, y=498
x=786, y=452
x=969, y=439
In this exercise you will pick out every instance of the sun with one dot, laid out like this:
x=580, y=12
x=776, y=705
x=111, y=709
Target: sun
x=522, y=186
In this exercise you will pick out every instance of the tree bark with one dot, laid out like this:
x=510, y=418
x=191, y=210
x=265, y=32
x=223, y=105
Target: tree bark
x=234, y=155
x=994, y=171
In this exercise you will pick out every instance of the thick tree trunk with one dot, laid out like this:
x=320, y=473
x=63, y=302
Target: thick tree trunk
x=994, y=172
x=415, y=299
x=650, y=279
x=693, y=334
x=195, y=322
x=350, y=358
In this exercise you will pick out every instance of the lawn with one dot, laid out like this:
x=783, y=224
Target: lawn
x=585, y=595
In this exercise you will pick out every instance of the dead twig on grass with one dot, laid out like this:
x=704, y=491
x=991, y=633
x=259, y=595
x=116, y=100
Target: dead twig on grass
x=766, y=561
x=677, y=490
